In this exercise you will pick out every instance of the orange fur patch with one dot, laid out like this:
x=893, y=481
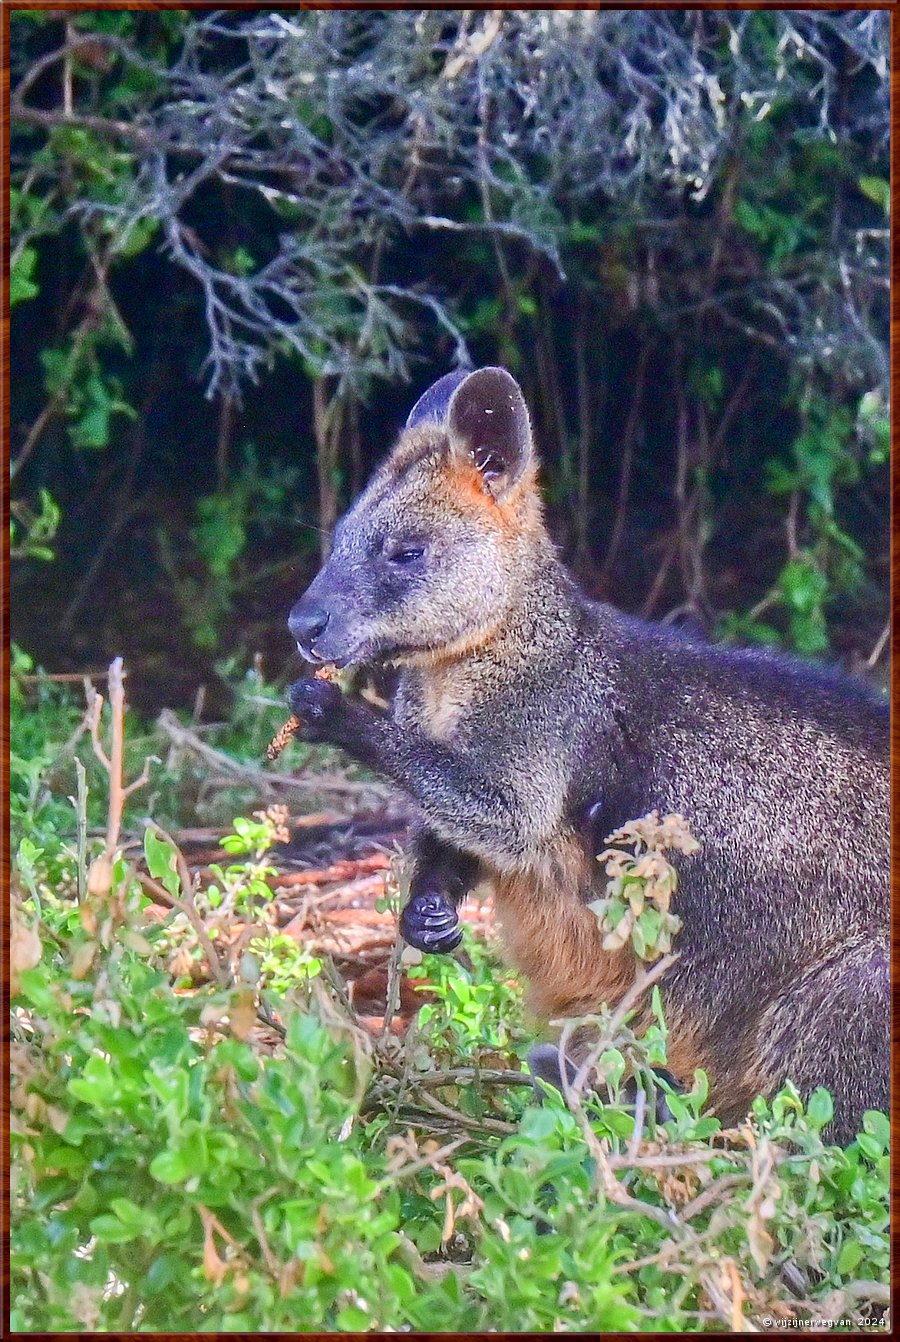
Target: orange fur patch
x=556, y=942
x=519, y=510
x=448, y=653
x=732, y=1086
x=554, y=939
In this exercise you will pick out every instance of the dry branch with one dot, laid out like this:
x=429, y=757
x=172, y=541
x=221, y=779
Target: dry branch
x=225, y=766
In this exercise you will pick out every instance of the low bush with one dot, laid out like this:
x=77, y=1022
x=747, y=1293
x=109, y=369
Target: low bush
x=211, y=1141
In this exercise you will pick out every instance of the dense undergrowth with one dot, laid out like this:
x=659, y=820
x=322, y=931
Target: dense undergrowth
x=671, y=226
x=204, y=1140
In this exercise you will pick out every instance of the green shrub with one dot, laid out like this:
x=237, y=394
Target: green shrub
x=227, y=1149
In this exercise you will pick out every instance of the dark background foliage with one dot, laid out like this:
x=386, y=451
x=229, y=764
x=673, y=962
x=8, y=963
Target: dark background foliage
x=243, y=242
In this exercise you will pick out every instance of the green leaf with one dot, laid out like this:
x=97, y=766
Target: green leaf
x=110, y=1230
x=820, y=1108
x=171, y=1166
x=138, y=237
x=802, y=584
x=870, y=1146
x=162, y=862
x=221, y=533
x=130, y=1214
x=21, y=285
x=538, y=1123
x=97, y=1084
x=878, y=1126
x=353, y=1320
x=877, y=189
x=618, y=1122
x=850, y=1256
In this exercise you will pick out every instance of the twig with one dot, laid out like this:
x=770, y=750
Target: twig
x=628, y=442
x=185, y=739
x=573, y=1090
x=393, y=987
x=118, y=792
x=81, y=813
x=223, y=445
x=271, y=1262
x=95, y=708
x=34, y=434
x=640, y=1106
x=264, y=1012
x=347, y=870
x=464, y=1120
x=121, y=130
x=674, y=1159
x=65, y=677
x=184, y=875
x=874, y=656
x=187, y=908
x=426, y=1162
x=338, y=986
x=79, y=335
x=67, y=80
x=711, y=1194
x=458, y=1076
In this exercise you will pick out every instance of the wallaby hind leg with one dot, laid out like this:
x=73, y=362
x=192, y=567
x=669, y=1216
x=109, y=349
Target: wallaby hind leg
x=832, y=1028
x=544, y=1064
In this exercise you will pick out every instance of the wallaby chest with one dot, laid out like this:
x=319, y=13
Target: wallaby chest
x=442, y=701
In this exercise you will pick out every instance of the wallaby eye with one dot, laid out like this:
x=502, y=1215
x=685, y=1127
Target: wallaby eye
x=405, y=554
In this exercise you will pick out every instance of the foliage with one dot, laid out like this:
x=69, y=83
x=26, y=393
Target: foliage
x=636, y=908
x=167, y=1175
x=176, y=1165
x=473, y=1010
x=219, y=540
x=46, y=736
x=38, y=528
x=670, y=225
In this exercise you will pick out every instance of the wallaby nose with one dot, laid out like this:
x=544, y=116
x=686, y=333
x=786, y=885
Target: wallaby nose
x=307, y=623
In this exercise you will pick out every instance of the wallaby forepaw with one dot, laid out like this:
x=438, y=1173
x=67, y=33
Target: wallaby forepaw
x=430, y=923
x=317, y=703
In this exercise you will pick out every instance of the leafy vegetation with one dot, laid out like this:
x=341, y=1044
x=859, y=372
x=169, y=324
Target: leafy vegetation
x=205, y=1139
x=237, y=237
x=670, y=226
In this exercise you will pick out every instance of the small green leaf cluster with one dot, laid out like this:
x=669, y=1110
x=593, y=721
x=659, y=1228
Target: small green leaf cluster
x=473, y=1008
x=636, y=908
x=828, y=457
x=207, y=567
x=30, y=532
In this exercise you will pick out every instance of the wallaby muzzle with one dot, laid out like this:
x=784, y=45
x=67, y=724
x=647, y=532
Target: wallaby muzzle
x=319, y=623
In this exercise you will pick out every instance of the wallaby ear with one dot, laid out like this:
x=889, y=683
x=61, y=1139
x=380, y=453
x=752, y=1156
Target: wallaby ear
x=487, y=422
x=432, y=404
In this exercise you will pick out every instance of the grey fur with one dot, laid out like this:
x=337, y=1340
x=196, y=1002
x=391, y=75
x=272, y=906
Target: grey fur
x=780, y=768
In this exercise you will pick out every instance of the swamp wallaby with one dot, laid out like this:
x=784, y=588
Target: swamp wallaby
x=522, y=704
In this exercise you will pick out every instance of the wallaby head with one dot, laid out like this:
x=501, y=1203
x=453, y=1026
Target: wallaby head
x=432, y=556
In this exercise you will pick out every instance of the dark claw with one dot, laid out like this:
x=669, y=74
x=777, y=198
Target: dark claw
x=429, y=922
